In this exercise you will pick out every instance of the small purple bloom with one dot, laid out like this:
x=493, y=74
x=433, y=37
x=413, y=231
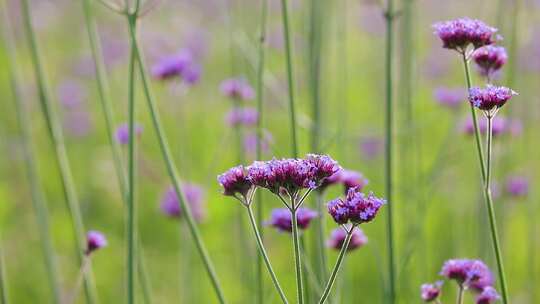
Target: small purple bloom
x=281, y=218
x=338, y=235
x=517, y=186
x=458, y=34
x=456, y=269
x=339, y=211
x=490, y=59
x=490, y=97
x=94, y=241
x=235, y=181
x=122, y=133
x=180, y=65
x=357, y=207
x=430, y=292
x=353, y=179
x=194, y=195
x=450, y=97
x=242, y=116
x=488, y=296
x=237, y=88
x=469, y=273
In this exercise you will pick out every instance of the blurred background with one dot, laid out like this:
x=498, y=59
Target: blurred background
x=439, y=207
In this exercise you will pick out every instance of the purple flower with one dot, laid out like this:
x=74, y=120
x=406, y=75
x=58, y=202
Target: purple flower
x=517, y=186
x=237, y=88
x=281, y=218
x=499, y=125
x=250, y=142
x=430, y=292
x=180, y=65
x=515, y=127
x=488, y=296
x=235, y=181
x=357, y=207
x=122, y=133
x=456, y=269
x=458, y=34
x=242, y=116
x=71, y=94
x=490, y=59
x=338, y=235
x=94, y=241
x=450, y=97
x=349, y=179
x=469, y=273
x=490, y=97
x=78, y=123
x=194, y=195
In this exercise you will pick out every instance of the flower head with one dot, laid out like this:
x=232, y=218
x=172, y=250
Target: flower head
x=237, y=88
x=242, y=116
x=338, y=235
x=458, y=34
x=430, y=292
x=488, y=296
x=281, y=218
x=470, y=273
x=122, y=133
x=235, y=181
x=357, y=207
x=194, y=196
x=180, y=65
x=517, y=186
x=490, y=59
x=450, y=97
x=94, y=241
x=490, y=97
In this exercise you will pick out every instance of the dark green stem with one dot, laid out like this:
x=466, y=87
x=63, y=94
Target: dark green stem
x=461, y=292
x=297, y=254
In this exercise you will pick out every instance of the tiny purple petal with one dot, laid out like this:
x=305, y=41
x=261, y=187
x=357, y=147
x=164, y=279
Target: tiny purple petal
x=338, y=235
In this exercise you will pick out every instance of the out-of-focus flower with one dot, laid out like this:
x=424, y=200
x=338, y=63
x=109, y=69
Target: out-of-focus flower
x=338, y=235
x=94, y=241
x=122, y=133
x=357, y=207
x=490, y=97
x=488, y=296
x=237, y=89
x=71, y=94
x=348, y=178
x=242, y=116
x=490, y=59
x=78, y=123
x=517, y=186
x=371, y=147
x=468, y=273
x=499, y=125
x=281, y=218
x=180, y=65
x=515, y=127
x=450, y=97
x=250, y=142
x=458, y=34
x=235, y=181
x=194, y=195
x=430, y=292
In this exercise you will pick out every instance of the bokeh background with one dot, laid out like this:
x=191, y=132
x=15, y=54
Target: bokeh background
x=439, y=208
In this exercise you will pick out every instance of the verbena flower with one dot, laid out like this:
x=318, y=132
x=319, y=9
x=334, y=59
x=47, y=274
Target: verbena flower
x=490, y=59
x=348, y=178
x=122, y=133
x=281, y=218
x=194, y=195
x=468, y=273
x=237, y=88
x=235, y=182
x=180, y=65
x=450, y=97
x=458, y=34
x=338, y=235
x=357, y=207
x=490, y=97
x=430, y=292
x=488, y=296
x=94, y=241
x=517, y=186
x=499, y=125
x=242, y=116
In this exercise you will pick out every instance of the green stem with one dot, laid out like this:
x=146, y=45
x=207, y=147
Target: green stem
x=3, y=287
x=173, y=174
x=389, y=125
x=491, y=214
x=264, y=255
x=461, y=292
x=323, y=268
x=290, y=78
x=57, y=140
x=297, y=256
x=335, y=271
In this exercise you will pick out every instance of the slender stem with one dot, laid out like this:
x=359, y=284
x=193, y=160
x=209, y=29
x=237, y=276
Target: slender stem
x=461, y=291
x=320, y=239
x=264, y=255
x=3, y=287
x=260, y=136
x=290, y=78
x=297, y=255
x=57, y=140
x=491, y=214
x=104, y=98
x=78, y=282
x=173, y=174
x=335, y=271
x=389, y=125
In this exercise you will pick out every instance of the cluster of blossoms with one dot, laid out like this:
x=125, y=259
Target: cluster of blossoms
x=348, y=178
x=338, y=235
x=490, y=98
x=450, y=97
x=431, y=292
x=281, y=219
x=490, y=59
x=237, y=89
x=194, y=195
x=122, y=133
x=94, y=241
x=357, y=207
x=182, y=65
x=459, y=34
x=517, y=186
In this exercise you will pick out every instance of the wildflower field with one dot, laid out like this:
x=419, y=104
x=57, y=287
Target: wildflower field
x=269, y=151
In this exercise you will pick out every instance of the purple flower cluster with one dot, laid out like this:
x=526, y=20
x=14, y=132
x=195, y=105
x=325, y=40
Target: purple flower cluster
x=281, y=218
x=468, y=273
x=517, y=186
x=181, y=65
x=122, y=133
x=94, y=241
x=237, y=89
x=488, y=296
x=430, y=292
x=357, y=207
x=490, y=97
x=242, y=116
x=338, y=235
x=235, y=182
x=458, y=34
x=349, y=179
x=194, y=196
x=490, y=59
x=450, y=97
